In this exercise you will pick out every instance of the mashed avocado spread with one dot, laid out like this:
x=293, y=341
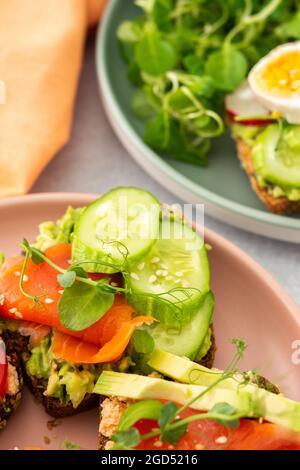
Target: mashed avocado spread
x=65, y=381
x=53, y=233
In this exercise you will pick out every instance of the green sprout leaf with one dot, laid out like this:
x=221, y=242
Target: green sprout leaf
x=227, y=67
x=143, y=342
x=174, y=435
x=81, y=305
x=129, y=31
x=142, y=105
x=79, y=271
x=167, y=414
x=240, y=344
x=229, y=413
x=67, y=279
x=153, y=54
x=128, y=438
x=146, y=409
x=36, y=257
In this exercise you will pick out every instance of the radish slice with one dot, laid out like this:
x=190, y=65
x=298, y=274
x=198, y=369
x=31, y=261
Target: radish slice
x=243, y=103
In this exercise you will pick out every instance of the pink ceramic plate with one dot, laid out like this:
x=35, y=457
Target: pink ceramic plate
x=249, y=304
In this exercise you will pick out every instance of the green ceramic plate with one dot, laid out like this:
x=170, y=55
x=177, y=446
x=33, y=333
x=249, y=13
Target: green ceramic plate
x=222, y=186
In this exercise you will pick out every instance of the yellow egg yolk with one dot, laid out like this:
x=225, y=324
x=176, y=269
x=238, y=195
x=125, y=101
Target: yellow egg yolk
x=281, y=76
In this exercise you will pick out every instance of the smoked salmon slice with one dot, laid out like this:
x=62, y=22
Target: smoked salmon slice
x=41, y=279
x=76, y=351
x=209, y=435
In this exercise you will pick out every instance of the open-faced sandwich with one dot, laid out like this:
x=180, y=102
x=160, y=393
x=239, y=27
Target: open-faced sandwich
x=200, y=409
x=264, y=114
x=10, y=377
x=101, y=289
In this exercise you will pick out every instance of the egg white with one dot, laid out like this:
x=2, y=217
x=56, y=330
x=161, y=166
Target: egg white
x=289, y=106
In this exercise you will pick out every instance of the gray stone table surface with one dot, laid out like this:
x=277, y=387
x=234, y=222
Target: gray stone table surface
x=94, y=161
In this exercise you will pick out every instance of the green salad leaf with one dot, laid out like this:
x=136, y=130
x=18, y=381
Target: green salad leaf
x=228, y=67
x=154, y=55
x=184, y=56
x=81, y=305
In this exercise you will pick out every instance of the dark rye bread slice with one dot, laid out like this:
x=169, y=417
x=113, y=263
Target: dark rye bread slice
x=206, y=361
x=53, y=406
x=11, y=402
x=278, y=205
x=57, y=410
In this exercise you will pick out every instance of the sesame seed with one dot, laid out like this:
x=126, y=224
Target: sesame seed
x=158, y=272
x=114, y=284
x=155, y=259
x=164, y=273
x=2, y=298
x=132, y=212
x=283, y=81
x=141, y=266
x=61, y=291
x=49, y=301
x=135, y=276
x=25, y=278
x=261, y=420
x=199, y=447
x=177, y=281
x=17, y=273
x=163, y=266
x=12, y=310
x=158, y=444
x=169, y=278
x=18, y=315
x=179, y=274
x=221, y=440
x=185, y=284
x=152, y=279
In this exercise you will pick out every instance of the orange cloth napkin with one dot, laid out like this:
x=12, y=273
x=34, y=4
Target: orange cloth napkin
x=41, y=46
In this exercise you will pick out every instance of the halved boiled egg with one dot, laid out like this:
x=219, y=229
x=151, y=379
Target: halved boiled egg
x=275, y=81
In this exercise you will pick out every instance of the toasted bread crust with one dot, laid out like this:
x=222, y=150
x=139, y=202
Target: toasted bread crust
x=208, y=359
x=278, y=205
x=52, y=405
x=11, y=402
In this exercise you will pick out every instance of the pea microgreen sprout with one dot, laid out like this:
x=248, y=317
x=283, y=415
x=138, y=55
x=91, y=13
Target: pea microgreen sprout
x=171, y=426
x=84, y=300
x=205, y=47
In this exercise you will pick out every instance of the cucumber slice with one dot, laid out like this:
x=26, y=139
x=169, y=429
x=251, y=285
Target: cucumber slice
x=276, y=156
x=188, y=340
x=170, y=282
x=116, y=230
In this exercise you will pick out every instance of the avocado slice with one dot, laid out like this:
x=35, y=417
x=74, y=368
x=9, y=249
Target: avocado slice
x=186, y=371
x=259, y=403
x=276, y=156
